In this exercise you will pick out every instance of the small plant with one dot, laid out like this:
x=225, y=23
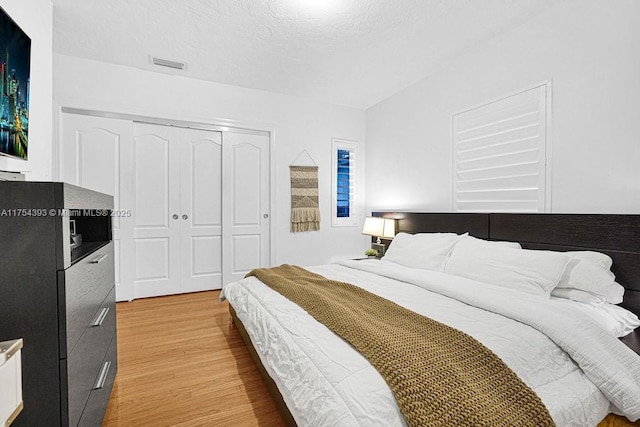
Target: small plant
x=371, y=252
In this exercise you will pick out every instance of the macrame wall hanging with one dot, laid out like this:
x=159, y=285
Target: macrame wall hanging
x=305, y=209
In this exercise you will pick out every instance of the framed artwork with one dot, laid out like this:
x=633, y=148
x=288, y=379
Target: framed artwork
x=15, y=64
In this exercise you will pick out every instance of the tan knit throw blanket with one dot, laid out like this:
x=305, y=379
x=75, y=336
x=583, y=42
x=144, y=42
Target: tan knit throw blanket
x=439, y=375
x=305, y=213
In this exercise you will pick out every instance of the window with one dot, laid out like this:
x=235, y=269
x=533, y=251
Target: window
x=499, y=155
x=343, y=201
x=344, y=157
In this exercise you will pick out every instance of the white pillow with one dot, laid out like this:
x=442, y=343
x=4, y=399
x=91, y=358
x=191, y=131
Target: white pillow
x=590, y=273
x=482, y=244
x=427, y=251
x=578, y=295
x=593, y=257
x=531, y=271
x=618, y=321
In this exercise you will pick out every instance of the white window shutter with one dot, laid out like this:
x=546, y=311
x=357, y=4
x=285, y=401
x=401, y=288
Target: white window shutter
x=343, y=193
x=499, y=155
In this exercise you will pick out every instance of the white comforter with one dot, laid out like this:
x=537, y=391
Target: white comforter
x=575, y=367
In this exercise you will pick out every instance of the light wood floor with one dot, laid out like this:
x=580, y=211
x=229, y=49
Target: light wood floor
x=181, y=362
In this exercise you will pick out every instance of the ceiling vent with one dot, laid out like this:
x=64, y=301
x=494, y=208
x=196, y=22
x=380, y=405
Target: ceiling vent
x=169, y=64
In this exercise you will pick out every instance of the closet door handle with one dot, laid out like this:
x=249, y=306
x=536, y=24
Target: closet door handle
x=185, y=216
x=175, y=216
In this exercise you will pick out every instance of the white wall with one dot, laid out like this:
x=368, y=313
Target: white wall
x=590, y=49
x=35, y=18
x=299, y=124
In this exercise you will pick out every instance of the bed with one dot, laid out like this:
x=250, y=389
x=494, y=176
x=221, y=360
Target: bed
x=317, y=378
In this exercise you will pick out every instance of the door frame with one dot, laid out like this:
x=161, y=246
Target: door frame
x=216, y=124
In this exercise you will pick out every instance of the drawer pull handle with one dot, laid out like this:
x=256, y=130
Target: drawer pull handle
x=102, y=377
x=100, y=318
x=99, y=259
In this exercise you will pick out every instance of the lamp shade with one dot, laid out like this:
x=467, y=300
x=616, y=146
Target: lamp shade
x=389, y=231
x=373, y=226
x=379, y=227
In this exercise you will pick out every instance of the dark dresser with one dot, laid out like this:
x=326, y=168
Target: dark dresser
x=58, y=295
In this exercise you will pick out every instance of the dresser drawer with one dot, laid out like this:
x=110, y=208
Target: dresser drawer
x=85, y=360
x=98, y=400
x=84, y=287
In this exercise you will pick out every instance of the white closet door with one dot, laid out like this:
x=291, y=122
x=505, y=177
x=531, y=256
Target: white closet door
x=201, y=209
x=93, y=153
x=246, y=215
x=199, y=204
x=156, y=211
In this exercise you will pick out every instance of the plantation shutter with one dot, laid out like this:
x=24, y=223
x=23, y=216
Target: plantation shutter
x=343, y=184
x=344, y=163
x=499, y=155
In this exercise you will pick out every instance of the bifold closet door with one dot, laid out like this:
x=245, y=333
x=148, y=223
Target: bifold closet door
x=246, y=209
x=200, y=210
x=156, y=208
x=193, y=204
x=177, y=228
x=96, y=153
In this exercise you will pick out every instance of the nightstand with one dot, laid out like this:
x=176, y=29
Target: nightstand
x=633, y=341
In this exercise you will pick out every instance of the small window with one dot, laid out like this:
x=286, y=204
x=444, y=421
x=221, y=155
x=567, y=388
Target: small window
x=344, y=156
x=343, y=179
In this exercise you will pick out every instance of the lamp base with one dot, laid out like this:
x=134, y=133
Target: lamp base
x=380, y=247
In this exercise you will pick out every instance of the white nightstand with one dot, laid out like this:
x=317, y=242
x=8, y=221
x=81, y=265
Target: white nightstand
x=10, y=381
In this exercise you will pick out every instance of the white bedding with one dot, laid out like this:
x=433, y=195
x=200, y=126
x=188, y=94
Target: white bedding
x=324, y=381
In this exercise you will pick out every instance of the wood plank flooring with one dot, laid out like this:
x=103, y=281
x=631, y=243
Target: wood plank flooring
x=181, y=362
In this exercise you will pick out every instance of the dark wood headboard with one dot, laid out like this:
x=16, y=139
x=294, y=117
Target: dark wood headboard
x=615, y=235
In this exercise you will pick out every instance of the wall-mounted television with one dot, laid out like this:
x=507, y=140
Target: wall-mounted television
x=15, y=63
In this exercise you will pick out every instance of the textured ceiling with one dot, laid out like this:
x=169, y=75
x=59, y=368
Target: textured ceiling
x=347, y=52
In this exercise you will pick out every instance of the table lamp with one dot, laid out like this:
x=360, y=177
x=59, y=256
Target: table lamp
x=381, y=228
